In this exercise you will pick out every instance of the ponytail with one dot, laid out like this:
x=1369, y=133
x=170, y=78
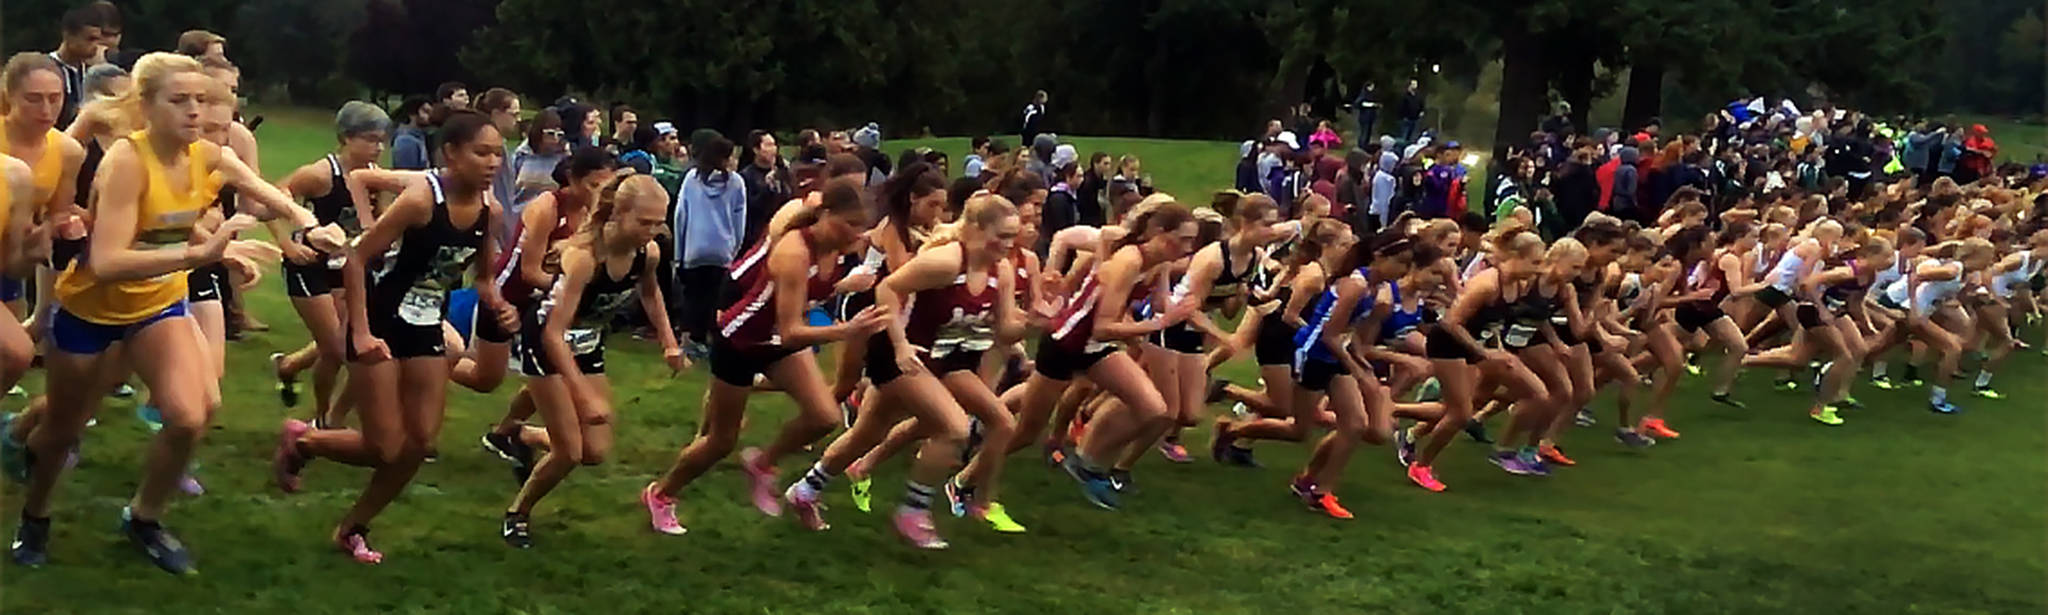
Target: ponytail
x=982, y=210
x=590, y=234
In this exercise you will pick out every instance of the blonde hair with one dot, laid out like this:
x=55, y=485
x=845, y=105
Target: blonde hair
x=1775, y=231
x=982, y=210
x=1962, y=250
x=1564, y=248
x=627, y=184
x=152, y=75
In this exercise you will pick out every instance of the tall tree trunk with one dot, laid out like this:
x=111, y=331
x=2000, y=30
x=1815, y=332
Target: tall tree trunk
x=1525, y=75
x=1575, y=84
x=1645, y=93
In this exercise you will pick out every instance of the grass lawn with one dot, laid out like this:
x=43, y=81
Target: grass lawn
x=1753, y=511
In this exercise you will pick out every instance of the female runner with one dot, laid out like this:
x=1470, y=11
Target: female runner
x=1461, y=359
x=608, y=262
x=33, y=98
x=1215, y=276
x=928, y=365
x=1996, y=307
x=420, y=245
x=1842, y=288
x=783, y=274
x=1532, y=337
x=154, y=187
x=1923, y=297
x=1326, y=242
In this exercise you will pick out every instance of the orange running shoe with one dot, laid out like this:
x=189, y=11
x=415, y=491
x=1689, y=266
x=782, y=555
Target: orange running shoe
x=1656, y=427
x=1552, y=454
x=1424, y=477
x=1328, y=505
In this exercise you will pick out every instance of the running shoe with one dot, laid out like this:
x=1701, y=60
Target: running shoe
x=849, y=409
x=957, y=496
x=357, y=545
x=695, y=350
x=1431, y=390
x=287, y=388
x=1942, y=407
x=1552, y=454
x=1240, y=457
x=763, y=478
x=1327, y=504
x=863, y=496
x=31, y=543
x=1121, y=481
x=1725, y=400
x=513, y=450
x=809, y=511
x=1424, y=477
x=1404, y=447
x=1692, y=364
x=124, y=391
x=1883, y=382
x=1987, y=392
x=1633, y=439
x=1303, y=489
x=1585, y=418
x=17, y=391
x=997, y=518
x=1657, y=428
x=1826, y=416
x=916, y=526
x=1476, y=430
x=1220, y=440
x=517, y=531
x=1174, y=452
x=1509, y=461
x=157, y=544
x=1533, y=461
x=1095, y=486
x=1240, y=412
x=1785, y=384
x=661, y=511
x=13, y=455
x=151, y=416
x=286, y=462
x=190, y=485
x=1849, y=403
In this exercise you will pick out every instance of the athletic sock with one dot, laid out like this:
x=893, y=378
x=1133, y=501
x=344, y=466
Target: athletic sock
x=817, y=477
x=916, y=496
x=1940, y=395
x=1877, y=369
x=1983, y=378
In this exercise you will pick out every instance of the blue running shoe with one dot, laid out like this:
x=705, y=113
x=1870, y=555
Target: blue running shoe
x=157, y=544
x=150, y=417
x=1532, y=461
x=1633, y=439
x=1094, y=485
x=1943, y=408
x=1510, y=462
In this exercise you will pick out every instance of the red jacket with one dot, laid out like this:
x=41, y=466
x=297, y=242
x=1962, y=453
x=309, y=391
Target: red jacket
x=1605, y=176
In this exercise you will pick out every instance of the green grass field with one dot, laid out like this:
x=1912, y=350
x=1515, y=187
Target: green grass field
x=1753, y=511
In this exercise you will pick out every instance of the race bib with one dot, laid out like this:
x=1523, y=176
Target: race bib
x=421, y=307
x=1519, y=335
x=583, y=341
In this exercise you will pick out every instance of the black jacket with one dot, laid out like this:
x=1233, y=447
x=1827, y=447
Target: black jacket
x=1411, y=105
x=767, y=190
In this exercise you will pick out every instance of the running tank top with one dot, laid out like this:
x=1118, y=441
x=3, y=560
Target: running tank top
x=603, y=297
x=1706, y=276
x=163, y=221
x=1073, y=327
x=1402, y=319
x=1837, y=295
x=1885, y=277
x=953, y=318
x=336, y=207
x=1307, y=346
x=510, y=283
x=1527, y=314
x=1929, y=292
x=1783, y=276
x=2006, y=283
x=741, y=321
x=1486, y=322
x=1025, y=286
x=427, y=262
x=47, y=170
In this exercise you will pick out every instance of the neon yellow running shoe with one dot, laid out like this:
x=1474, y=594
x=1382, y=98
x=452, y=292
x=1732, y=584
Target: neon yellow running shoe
x=863, y=499
x=999, y=519
x=1988, y=393
x=1827, y=416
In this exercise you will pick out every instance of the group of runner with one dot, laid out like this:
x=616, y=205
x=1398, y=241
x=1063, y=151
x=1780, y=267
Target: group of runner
x=958, y=339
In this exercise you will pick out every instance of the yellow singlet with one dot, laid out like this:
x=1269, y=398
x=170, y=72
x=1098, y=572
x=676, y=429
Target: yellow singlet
x=48, y=169
x=164, y=220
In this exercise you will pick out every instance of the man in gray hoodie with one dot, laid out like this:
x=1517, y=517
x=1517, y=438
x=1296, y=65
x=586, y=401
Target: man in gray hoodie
x=712, y=214
x=1626, y=181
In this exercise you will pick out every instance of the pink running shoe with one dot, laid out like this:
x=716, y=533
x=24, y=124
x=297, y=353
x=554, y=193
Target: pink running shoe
x=357, y=545
x=286, y=463
x=1174, y=452
x=1424, y=477
x=808, y=511
x=661, y=511
x=190, y=485
x=916, y=527
x=763, y=478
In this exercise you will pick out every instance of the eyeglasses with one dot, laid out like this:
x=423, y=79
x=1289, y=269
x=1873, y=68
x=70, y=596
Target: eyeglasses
x=552, y=132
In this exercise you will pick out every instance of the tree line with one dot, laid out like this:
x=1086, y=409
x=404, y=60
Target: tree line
x=1179, y=68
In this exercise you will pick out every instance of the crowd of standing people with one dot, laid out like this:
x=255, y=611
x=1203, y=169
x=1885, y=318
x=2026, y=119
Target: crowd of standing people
x=1039, y=300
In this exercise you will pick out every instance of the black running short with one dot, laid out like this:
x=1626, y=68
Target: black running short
x=406, y=341
x=1316, y=375
x=310, y=280
x=880, y=361
x=1180, y=337
x=1439, y=344
x=738, y=366
x=1885, y=301
x=1809, y=316
x=63, y=251
x=1772, y=297
x=588, y=346
x=1692, y=317
x=1059, y=363
x=1275, y=345
x=205, y=283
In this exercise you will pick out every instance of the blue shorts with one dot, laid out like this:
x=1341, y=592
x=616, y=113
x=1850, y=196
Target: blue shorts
x=10, y=289
x=76, y=335
x=462, y=311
